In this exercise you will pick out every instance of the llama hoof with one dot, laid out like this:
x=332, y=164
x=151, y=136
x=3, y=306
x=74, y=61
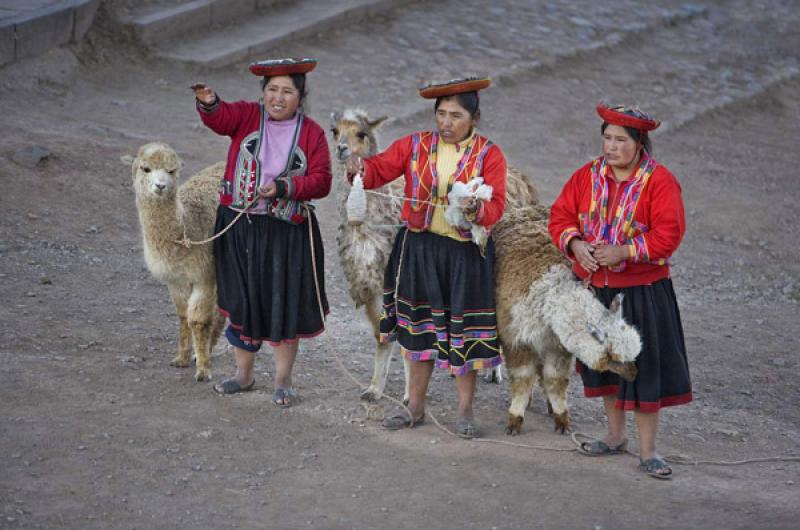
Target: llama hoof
x=370, y=395
x=514, y=425
x=562, y=422
x=180, y=362
x=202, y=375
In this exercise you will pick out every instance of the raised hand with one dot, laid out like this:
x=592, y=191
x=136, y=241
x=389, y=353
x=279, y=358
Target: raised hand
x=204, y=93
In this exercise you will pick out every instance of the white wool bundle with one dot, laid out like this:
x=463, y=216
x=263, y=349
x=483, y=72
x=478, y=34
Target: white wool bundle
x=357, y=202
x=454, y=215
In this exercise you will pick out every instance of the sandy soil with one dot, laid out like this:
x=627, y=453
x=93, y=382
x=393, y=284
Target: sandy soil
x=97, y=431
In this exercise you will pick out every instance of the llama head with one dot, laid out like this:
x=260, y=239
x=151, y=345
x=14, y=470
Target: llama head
x=619, y=340
x=354, y=134
x=155, y=169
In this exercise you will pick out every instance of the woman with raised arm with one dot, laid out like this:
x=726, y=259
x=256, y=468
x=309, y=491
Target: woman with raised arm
x=270, y=263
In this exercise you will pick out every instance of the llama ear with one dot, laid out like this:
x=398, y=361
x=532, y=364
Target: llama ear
x=336, y=116
x=374, y=124
x=598, y=334
x=128, y=160
x=616, y=306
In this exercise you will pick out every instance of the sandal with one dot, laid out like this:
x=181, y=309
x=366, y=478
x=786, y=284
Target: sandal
x=401, y=419
x=600, y=448
x=231, y=386
x=656, y=467
x=284, y=397
x=467, y=428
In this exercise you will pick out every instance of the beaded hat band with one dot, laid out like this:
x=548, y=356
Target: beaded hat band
x=627, y=117
x=454, y=86
x=287, y=66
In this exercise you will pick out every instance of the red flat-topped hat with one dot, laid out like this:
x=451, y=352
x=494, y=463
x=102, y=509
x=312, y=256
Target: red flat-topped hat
x=286, y=66
x=454, y=86
x=627, y=117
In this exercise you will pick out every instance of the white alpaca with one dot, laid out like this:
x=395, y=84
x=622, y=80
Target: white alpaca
x=546, y=318
x=364, y=246
x=167, y=213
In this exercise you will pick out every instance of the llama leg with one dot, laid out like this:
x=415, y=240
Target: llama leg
x=201, y=323
x=180, y=299
x=555, y=381
x=522, y=377
x=382, y=360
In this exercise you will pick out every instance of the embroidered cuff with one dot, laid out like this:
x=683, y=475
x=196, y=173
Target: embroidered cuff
x=284, y=188
x=208, y=108
x=638, y=250
x=563, y=241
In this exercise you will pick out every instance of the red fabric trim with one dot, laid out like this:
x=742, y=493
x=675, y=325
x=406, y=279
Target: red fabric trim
x=600, y=391
x=654, y=406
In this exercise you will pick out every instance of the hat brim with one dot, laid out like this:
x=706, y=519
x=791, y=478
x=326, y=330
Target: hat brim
x=614, y=117
x=452, y=88
x=275, y=67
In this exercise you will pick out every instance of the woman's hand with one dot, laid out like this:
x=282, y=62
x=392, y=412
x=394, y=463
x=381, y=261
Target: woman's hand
x=204, y=93
x=354, y=165
x=610, y=255
x=267, y=191
x=584, y=253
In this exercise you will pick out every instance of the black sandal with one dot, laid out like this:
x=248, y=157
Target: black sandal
x=231, y=386
x=401, y=419
x=600, y=448
x=656, y=467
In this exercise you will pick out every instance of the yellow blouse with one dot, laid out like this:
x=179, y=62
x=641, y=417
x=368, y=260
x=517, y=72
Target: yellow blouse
x=447, y=158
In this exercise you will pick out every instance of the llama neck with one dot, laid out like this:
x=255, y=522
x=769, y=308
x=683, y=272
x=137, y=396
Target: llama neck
x=159, y=219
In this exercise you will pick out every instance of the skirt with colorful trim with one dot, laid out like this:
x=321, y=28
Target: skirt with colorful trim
x=663, y=379
x=265, y=278
x=444, y=309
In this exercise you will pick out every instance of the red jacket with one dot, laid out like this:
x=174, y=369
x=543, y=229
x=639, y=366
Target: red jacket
x=309, y=176
x=486, y=160
x=653, y=235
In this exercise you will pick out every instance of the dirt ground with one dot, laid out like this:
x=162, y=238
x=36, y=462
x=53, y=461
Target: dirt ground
x=97, y=431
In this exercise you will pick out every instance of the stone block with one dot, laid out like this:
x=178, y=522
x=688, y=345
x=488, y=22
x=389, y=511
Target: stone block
x=168, y=23
x=84, y=17
x=223, y=11
x=6, y=44
x=45, y=29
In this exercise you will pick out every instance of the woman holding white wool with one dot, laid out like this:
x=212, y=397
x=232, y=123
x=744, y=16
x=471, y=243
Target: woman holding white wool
x=439, y=285
x=619, y=219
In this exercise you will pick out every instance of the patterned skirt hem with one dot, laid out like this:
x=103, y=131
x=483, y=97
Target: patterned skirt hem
x=468, y=366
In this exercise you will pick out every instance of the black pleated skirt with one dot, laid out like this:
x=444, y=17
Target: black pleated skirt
x=265, y=277
x=663, y=378
x=444, y=306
